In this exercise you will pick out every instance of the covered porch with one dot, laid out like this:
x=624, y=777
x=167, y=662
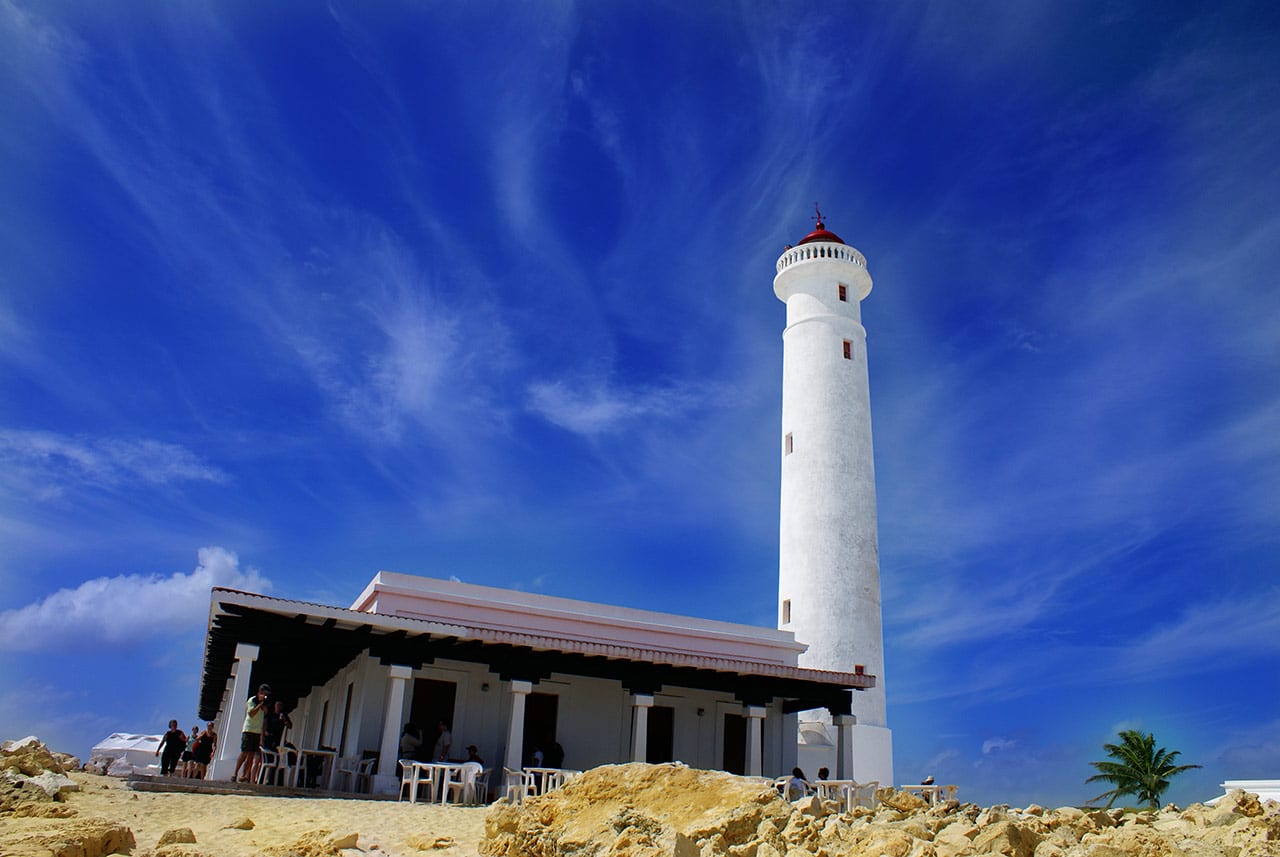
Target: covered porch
x=510, y=670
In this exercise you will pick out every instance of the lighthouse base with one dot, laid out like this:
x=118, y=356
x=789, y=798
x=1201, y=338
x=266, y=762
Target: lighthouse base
x=871, y=748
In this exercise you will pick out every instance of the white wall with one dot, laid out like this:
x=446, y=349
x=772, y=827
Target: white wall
x=594, y=716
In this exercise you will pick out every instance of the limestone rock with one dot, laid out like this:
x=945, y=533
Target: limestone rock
x=175, y=836
x=90, y=837
x=241, y=824
x=1128, y=842
x=670, y=811
x=52, y=784
x=318, y=843
x=181, y=849
x=891, y=843
x=43, y=810
x=1236, y=804
x=1006, y=837
x=956, y=837
x=903, y=801
x=29, y=756
x=811, y=806
x=635, y=809
x=67, y=761
x=427, y=843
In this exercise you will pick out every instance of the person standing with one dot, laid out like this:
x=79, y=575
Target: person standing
x=251, y=736
x=173, y=743
x=188, y=755
x=202, y=752
x=445, y=740
x=411, y=743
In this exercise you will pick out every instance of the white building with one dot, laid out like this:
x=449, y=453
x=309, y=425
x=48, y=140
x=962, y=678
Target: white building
x=508, y=669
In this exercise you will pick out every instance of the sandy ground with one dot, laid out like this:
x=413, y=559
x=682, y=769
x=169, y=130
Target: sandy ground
x=388, y=827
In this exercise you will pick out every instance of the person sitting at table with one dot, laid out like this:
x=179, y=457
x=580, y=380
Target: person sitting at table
x=824, y=774
x=440, y=753
x=797, y=786
x=473, y=755
x=535, y=756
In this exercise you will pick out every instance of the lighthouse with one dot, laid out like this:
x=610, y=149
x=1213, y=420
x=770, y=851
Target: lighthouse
x=829, y=567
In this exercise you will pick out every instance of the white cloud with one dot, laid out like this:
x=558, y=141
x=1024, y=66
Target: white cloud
x=594, y=409
x=995, y=745
x=127, y=608
x=945, y=758
x=1204, y=632
x=103, y=461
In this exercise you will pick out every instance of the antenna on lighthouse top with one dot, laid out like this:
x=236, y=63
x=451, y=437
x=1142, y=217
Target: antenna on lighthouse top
x=817, y=216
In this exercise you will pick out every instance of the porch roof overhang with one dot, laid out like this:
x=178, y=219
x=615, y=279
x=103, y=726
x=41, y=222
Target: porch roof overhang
x=302, y=645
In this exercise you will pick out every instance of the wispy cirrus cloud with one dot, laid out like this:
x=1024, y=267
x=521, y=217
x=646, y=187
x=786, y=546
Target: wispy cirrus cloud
x=108, y=462
x=128, y=608
x=595, y=408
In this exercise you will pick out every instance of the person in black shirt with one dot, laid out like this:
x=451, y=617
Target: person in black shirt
x=273, y=727
x=173, y=743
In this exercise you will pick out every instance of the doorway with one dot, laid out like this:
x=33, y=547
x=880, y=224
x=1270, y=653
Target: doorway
x=661, y=734
x=433, y=701
x=540, y=711
x=735, y=744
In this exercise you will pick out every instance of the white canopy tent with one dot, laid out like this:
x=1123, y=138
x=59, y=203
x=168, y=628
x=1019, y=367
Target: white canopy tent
x=121, y=753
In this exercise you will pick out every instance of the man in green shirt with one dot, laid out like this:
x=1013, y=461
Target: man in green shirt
x=251, y=735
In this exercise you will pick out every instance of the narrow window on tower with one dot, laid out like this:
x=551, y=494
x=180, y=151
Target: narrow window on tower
x=787, y=444
x=786, y=611
x=848, y=350
x=844, y=293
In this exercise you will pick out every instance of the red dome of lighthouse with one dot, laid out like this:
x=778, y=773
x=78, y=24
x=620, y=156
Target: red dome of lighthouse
x=821, y=233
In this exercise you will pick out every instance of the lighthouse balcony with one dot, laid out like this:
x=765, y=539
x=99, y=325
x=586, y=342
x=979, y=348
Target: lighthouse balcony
x=820, y=250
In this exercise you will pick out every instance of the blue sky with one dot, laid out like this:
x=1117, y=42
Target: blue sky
x=292, y=294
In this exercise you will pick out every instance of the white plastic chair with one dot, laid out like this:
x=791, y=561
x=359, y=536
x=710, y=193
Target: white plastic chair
x=863, y=794
x=481, y=794
x=460, y=786
x=288, y=766
x=355, y=771
x=519, y=785
x=268, y=767
x=415, y=778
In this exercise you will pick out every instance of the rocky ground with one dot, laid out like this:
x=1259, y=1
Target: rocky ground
x=651, y=810
x=48, y=810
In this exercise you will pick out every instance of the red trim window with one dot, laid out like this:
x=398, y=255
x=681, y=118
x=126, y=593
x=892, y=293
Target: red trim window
x=848, y=350
x=844, y=293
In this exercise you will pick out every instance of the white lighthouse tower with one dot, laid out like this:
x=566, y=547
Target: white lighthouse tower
x=829, y=567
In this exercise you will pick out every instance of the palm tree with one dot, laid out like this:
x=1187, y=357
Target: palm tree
x=1138, y=769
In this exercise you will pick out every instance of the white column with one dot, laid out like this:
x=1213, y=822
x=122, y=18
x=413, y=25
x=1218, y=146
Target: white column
x=229, y=739
x=844, y=724
x=515, y=729
x=640, y=703
x=755, y=720
x=387, y=780
x=790, y=742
